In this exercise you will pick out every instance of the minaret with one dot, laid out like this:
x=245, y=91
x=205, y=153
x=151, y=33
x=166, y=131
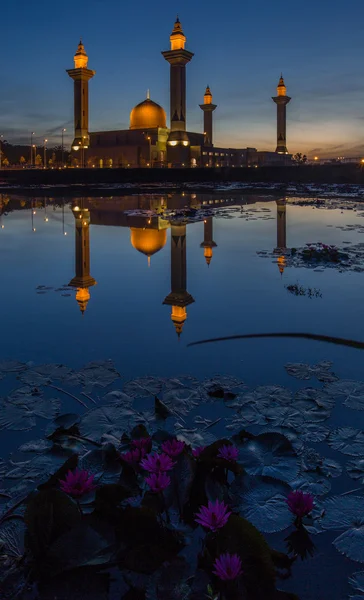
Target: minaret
x=179, y=298
x=81, y=76
x=83, y=280
x=208, y=243
x=208, y=108
x=178, y=57
x=281, y=233
x=281, y=101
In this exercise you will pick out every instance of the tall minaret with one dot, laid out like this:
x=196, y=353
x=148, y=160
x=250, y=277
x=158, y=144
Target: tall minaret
x=208, y=108
x=81, y=76
x=281, y=233
x=179, y=298
x=178, y=57
x=83, y=280
x=208, y=242
x=281, y=101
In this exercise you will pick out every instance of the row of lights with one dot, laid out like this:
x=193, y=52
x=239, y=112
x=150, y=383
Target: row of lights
x=45, y=141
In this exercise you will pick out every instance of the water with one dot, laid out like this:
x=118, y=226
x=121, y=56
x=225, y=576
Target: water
x=216, y=290
x=125, y=319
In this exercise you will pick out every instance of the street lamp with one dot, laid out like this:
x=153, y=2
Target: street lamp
x=31, y=146
x=63, y=132
x=45, y=154
x=35, y=153
x=150, y=150
x=1, y=137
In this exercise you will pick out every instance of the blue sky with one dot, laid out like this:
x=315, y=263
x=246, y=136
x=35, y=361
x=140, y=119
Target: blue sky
x=240, y=50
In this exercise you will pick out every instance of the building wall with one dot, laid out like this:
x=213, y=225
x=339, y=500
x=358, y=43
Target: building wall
x=127, y=148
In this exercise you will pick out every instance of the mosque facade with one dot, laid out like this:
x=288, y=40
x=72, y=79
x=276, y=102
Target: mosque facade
x=150, y=141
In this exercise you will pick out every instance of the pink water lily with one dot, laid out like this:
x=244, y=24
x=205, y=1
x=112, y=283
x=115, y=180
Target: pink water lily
x=77, y=483
x=196, y=452
x=158, y=482
x=144, y=443
x=173, y=447
x=228, y=567
x=133, y=456
x=156, y=463
x=213, y=516
x=228, y=452
x=300, y=503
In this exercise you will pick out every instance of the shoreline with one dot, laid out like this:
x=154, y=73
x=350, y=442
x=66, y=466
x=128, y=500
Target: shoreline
x=293, y=189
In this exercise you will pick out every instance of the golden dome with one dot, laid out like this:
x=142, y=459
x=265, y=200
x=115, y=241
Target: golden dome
x=148, y=115
x=148, y=241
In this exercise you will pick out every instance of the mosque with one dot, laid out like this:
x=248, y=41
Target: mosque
x=149, y=141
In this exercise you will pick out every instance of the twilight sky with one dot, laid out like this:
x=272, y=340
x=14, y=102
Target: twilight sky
x=240, y=49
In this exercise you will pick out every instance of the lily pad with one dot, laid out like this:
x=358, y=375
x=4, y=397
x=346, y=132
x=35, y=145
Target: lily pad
x=43, y=374
x=95, y=374
x=345, y=513
x=304, y=372
x=351, y=391
x=36, y=446
x=356, y=580
x=347, y=440
x=315, y=396
x=108, y=419
x=12, y=366
x=355, y=469
x=269, y=454
x=22, y=416
x=312, y=483
x=284, y=416
x=265, y=506
x=12, y=538
x=313, y=433
x=143, y=387
x=269, y=395
x=181, y=401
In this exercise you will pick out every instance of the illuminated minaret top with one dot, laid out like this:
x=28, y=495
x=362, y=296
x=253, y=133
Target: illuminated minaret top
x=178, y=57
x=177, y=37
x=81, y=75
x=281, y=101
x=208, y=108
x=81, y=58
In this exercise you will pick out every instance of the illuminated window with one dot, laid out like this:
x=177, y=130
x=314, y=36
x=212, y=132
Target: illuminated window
x=204, y=154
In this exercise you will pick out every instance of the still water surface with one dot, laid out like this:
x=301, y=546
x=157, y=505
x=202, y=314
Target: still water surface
x=124, y=317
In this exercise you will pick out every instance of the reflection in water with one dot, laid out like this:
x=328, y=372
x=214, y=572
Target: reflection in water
x=149, y=217
x=83, y=280
x=208, y=242
x=179, y=298
x=281, y=233
x=148, y=235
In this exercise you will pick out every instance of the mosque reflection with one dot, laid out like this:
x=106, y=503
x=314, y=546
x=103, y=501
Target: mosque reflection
x=148, y=219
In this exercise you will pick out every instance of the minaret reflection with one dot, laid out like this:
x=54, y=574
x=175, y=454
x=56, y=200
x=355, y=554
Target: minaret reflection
x=179, y=298
x=208, y=242
x=281, y=233
x=83, y=280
